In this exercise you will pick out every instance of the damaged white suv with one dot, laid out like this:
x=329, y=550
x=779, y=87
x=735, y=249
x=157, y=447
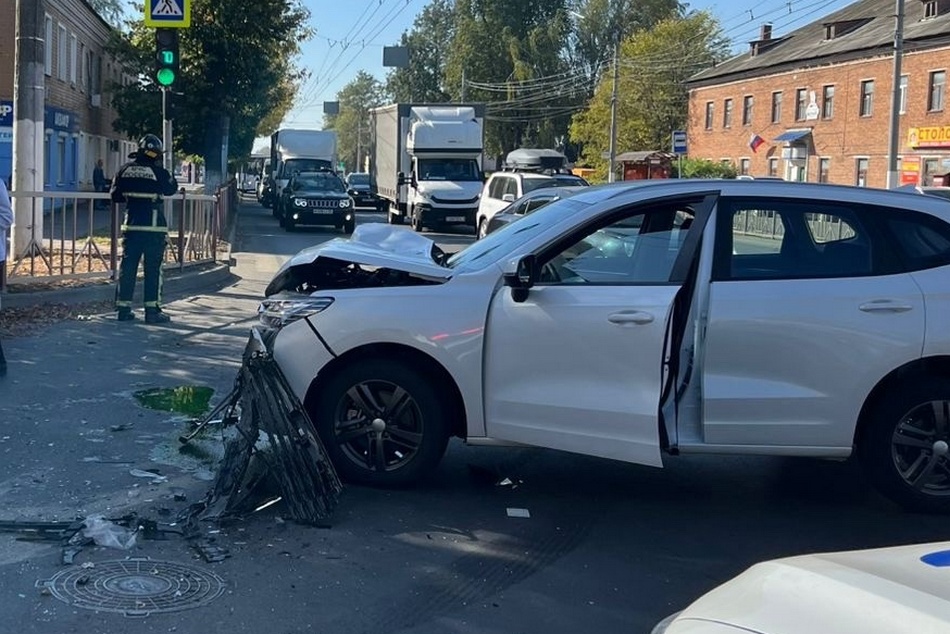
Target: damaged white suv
x=629, y=320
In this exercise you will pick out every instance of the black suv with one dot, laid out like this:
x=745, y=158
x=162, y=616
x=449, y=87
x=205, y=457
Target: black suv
x=317, y=198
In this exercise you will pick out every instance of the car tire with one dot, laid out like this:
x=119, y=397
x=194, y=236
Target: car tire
x=415, y=219
x=482, y=229
x=910, y=425
x=394, y=218
x=351, y=434
x=288, y=224
x=349, y=226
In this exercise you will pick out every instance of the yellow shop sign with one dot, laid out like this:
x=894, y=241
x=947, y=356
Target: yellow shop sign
x=931, y=136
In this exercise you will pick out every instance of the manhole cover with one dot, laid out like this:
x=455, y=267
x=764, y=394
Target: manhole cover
x=135, y=587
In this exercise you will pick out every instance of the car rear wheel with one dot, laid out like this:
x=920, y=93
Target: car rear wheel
x=482, y=229
x=906, y=447
x=383, y=423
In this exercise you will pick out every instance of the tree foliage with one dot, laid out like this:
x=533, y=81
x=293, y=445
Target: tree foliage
x=652, y=98
x=705, y=168
x=428, y=41
x=112, y=11
x=237, y=62
x=352, y=123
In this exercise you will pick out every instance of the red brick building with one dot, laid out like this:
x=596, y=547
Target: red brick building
x=78, y=116
x=817, y=101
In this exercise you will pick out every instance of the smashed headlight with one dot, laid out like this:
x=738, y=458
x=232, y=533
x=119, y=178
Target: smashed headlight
x=277, y=313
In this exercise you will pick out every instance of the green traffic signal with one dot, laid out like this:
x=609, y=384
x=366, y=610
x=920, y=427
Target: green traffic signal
x=165, y=76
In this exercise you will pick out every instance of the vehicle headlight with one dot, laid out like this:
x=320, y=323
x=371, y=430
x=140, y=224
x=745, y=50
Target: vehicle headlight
x=300, y=202
x=345, y=203
x=277, y=313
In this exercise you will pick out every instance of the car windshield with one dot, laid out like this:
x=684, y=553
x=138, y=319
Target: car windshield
x=484, y=252
x=530, y=184
x=448, y=170
x=318, y=182
x=295, y=166
x=359, y=179
x=568, y=180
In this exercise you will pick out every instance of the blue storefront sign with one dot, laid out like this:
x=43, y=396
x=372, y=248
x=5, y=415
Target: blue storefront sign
x=61, y=146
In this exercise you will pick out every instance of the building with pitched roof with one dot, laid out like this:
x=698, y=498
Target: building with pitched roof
x=814, y=104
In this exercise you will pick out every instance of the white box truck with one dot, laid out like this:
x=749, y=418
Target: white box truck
x=293, y=151
x=426, y=162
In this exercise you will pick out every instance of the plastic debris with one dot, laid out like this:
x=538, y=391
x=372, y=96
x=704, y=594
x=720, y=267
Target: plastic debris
x=108, y=534
x=156, y=478
x=518, y=513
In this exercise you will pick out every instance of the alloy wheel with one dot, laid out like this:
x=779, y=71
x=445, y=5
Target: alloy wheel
x=920, y=448
x=378, y=426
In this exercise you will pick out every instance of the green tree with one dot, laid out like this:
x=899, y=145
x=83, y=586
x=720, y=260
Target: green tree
x=652, y=98
x=428, y=41
x=112, y=11
x=705, y=168
x=237, y=81
x=511, y=55
x=356, y=99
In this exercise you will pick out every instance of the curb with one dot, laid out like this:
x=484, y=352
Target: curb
x=176, y=285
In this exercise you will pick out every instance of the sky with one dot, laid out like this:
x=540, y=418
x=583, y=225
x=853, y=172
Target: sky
x=350, y=36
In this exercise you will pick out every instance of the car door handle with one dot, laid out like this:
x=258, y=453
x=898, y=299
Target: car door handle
x=638, y=317
x=885, y=306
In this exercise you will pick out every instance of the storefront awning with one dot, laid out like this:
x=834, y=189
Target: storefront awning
x=790, y=136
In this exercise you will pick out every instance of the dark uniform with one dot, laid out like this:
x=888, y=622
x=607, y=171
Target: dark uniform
x=141, y=185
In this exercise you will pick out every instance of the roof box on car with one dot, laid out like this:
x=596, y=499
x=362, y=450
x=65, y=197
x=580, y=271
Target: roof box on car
x=532, y=159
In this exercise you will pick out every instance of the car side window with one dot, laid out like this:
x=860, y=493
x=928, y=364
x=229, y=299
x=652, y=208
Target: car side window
x=497, y=187
x=532, y=205
x=790, y=239
x=511, y=187
x=638, y=248
x=922, y=241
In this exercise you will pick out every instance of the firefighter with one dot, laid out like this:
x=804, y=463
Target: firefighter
x=141, y=184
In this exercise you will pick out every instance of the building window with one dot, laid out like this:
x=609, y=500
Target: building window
x=824, y=167
x=709, y=115
x=938, y=84
x=931, y=9
x=867, y=97
x=828, y=102
x=744, y=166
x=776, y=107
x=48, y=46
x=61, y=53
x=861, y=172
x=747, y=110
x=73, y=59
x=902, y=100
x=800, y=105
x=773, y=167
x=727, y=113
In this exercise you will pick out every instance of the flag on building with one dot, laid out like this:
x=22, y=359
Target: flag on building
x=755, y=141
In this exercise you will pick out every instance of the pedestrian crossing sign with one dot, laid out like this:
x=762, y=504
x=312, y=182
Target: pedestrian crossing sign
x=168, y=14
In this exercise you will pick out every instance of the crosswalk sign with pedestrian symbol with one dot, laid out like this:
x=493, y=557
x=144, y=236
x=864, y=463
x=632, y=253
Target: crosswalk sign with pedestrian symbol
x=168, y=14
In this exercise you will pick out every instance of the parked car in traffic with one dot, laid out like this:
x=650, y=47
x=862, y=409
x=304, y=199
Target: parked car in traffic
x=357, y=185
x=532, y=201
x=896, y=590
x=316, y=198
x=634, y=321
x=503, y=188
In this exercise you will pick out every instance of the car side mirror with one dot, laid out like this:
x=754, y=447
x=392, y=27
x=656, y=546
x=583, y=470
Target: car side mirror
x=351, y=192
x=508, y=198
x=520, y=276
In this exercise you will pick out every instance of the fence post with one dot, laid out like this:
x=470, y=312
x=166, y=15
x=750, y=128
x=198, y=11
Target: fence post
x=181, y=233
x=114, y=240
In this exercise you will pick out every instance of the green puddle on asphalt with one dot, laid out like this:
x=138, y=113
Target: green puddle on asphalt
x=191, y=400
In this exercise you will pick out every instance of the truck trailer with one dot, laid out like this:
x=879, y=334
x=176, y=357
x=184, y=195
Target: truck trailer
x=293, y=151
x=426, y=162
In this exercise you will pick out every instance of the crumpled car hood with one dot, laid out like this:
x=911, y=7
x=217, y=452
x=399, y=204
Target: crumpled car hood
x=376, y=245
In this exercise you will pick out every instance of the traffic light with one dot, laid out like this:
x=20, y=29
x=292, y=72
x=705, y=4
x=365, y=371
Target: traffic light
x=166, y=57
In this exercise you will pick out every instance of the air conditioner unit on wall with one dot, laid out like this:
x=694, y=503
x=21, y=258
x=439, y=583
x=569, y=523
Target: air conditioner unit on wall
x=96, y=101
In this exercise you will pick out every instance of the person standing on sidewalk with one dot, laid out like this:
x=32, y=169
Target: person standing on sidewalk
x=6, y=221
x=99, y=183
x=141, y=185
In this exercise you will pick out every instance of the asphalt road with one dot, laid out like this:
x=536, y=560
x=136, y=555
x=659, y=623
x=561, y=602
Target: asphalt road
x=608, y=547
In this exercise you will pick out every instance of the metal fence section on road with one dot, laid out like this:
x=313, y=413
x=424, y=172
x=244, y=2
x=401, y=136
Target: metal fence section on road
x=768, y=224
x=82, y=237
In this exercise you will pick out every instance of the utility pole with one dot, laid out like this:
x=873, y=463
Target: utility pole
x=893, y=177
x=612, y=174
x=29, y=105
x=359, y=140
x=463, y=87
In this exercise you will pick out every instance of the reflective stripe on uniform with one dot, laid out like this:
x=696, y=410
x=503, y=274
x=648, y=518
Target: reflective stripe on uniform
x=151, y=304
x=158, y=229
x=142, y=195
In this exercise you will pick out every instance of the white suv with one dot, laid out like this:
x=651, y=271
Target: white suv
x=634, y=320
x=502, y=189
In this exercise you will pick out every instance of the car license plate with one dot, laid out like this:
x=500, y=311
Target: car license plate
x=323, y=211
x=455, y=218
